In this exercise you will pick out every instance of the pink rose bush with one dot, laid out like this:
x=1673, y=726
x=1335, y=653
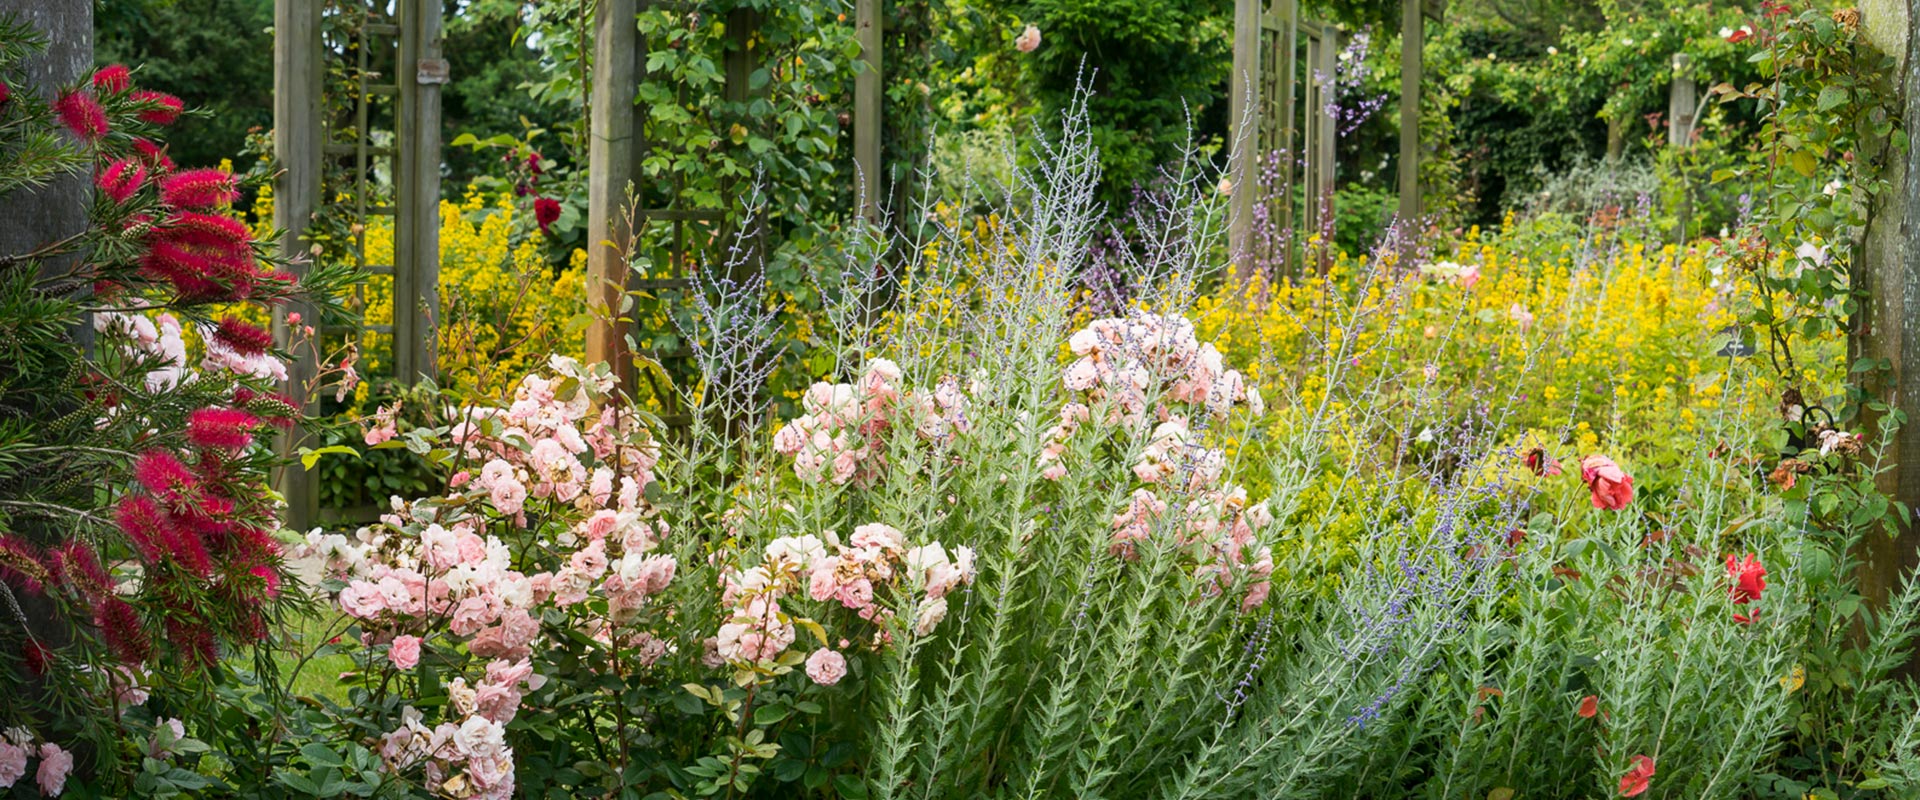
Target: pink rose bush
x=837, y=439
x=18, y=751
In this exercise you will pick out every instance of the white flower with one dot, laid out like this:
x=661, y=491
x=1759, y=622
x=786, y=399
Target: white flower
x=1833, y=188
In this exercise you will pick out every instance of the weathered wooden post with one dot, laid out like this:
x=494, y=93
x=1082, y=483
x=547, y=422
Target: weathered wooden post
x=1243, y=123
x=296, y=196
x=1683, y=102
x=416, y=243
x=868, y=106
x=1887, y=326
x=1323, y=42
x=610, y=165
x=1412, y=41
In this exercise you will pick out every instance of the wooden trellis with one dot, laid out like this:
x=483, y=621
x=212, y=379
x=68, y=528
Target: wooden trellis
x=619, y=146
x=384, y=118
x=1281, y=118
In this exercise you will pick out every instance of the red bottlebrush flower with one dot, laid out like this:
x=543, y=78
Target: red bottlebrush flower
x=144, y=525
x=1637, y=778
x=204, y=256
x=163, y=475
x=1540, y=463
x=243, y=337
x=20, y=565
x=121, y=179
x=185, y=548
x=120, y=627
x=160, y=108
x=248, y=544
x=6, y=92
x=76, y=567
x=204, y=189
x=37, y=656
x=268, y=577
x=113, y=78
x=153, y=154
x=81, y=114
x=221, y=428
x=546, y=211
x=1611, y=486
x=242, y=395
x=1749, y=579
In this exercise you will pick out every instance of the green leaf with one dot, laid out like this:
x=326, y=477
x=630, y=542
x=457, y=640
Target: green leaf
x=850, y=786
x=1803, y=162
x=321, y=756
x=1831, y=97
x=310, y=457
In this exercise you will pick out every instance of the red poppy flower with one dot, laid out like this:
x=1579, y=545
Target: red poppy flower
x=1637, y=778
x=546, y=211
x=1749, y=579
x=1611, y=486
x=1589, y=706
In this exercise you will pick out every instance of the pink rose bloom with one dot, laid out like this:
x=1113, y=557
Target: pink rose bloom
x=13, y=763
x=1611, y=486
x=1028, y=40
x=1468, y=277
x=362, y=600
x=826, y=667
x=404, y=652
x=55, y=764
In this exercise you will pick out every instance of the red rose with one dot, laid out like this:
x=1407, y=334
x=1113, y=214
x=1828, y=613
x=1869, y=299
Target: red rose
x=1749, y=579
x=546, y=211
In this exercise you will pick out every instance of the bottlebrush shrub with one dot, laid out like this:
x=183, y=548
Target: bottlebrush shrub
x=136, y=523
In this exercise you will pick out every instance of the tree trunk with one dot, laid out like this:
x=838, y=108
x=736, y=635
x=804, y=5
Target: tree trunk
x=58, y=209
x=1887, y=326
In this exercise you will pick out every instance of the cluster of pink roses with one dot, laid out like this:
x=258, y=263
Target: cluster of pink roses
x=1120, y=363
x=17, y=750
x=469, y=758
x=840, y=438
x=857, y=575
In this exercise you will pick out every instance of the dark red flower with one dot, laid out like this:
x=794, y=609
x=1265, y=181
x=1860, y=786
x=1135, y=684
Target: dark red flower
x=1516, y=537
x=1749, y=579
x=199, y=189
x=221, y=428
x=121, y=179
x=113, y=78
x=81, y=114
x=1589, y=706
x=268, y=577
x=204, y=256
x=546, y=211
x=243, y=337
x=1541, y=463
x=120, y=627
x=1637, y=778
x=160, y=108
x=37, y=656
x=533, y=162
x=6, y=92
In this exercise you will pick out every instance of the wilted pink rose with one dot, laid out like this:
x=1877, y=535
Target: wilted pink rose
x=13, y=763
x=55, y=764
x=1611, y=486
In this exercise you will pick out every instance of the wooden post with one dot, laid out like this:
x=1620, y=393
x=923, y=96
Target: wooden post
x=296, y=195
x=1286, y=60
x=743, y=26
x=35, y=217
x=1412, y=40
x=416, y=240
x=868, y=102
x=1243, y=169
x=1887, y=325
x=1682, y=103
x=610, y=162
x=1321, y=132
